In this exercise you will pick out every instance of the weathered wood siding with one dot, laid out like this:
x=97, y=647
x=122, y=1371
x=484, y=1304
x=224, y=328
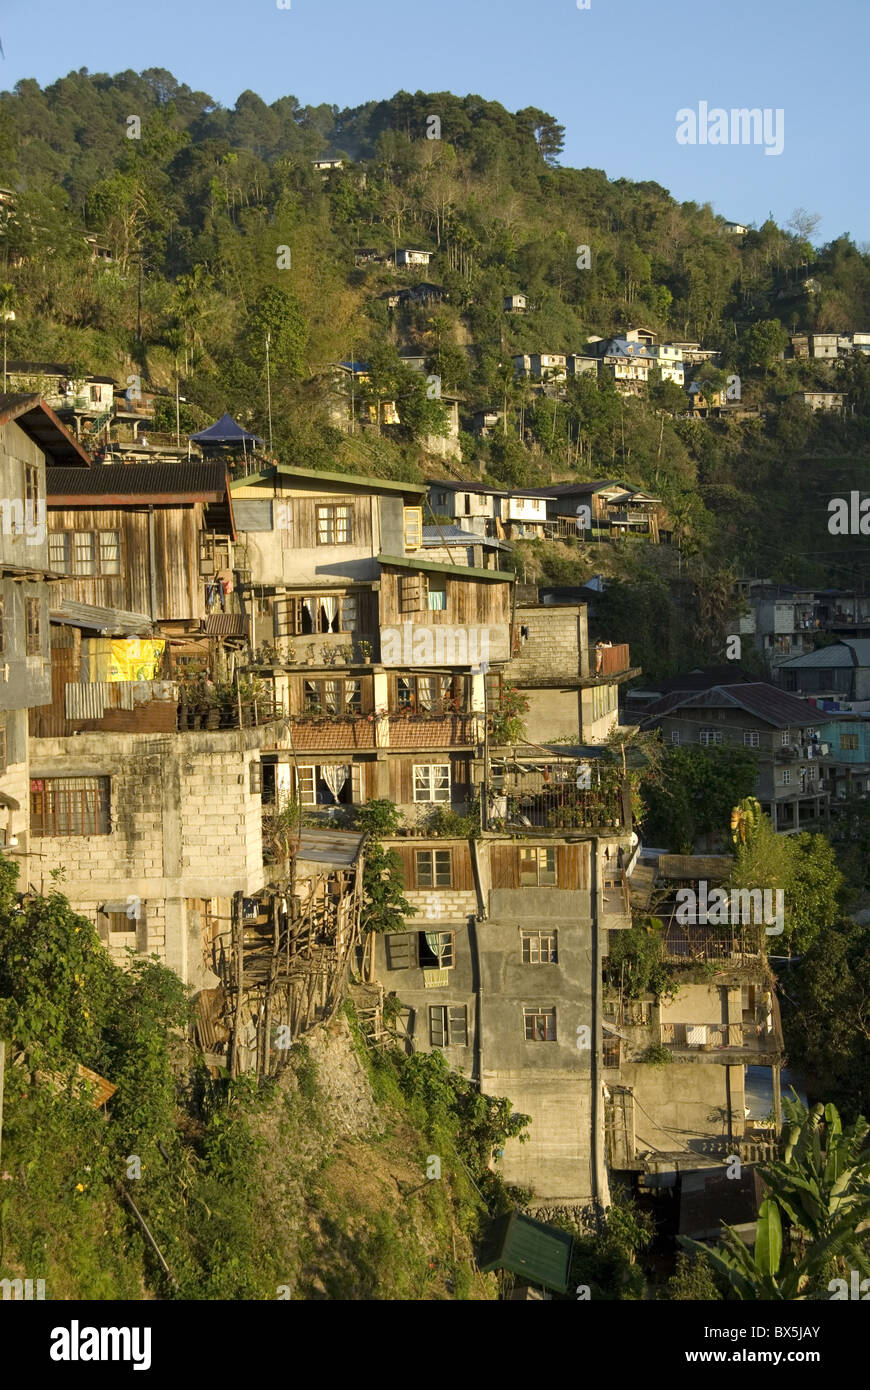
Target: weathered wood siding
x=178, y=587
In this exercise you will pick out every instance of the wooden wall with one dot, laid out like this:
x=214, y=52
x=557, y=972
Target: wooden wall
x=179, y=589
x=572, y=864
x=460, y=857
x=470, y=602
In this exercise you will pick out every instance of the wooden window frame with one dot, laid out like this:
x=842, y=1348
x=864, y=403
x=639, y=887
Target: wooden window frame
x=62, y=539
x=432, y=870
x=751, y=738
x=445, y=953
x=413, y=593
x=104, y=546
x=59, y=811
x=75, y=556
x=342, y=705
x=412, y=518
x=33, y=626
x=448, y=1025
x=533, y=949
x=326, y=523
x=432, y=799
x=537, y=1020
x=849, y=743
x=538, y=851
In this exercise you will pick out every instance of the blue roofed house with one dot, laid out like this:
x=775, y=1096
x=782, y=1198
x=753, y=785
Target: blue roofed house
x=840, y=671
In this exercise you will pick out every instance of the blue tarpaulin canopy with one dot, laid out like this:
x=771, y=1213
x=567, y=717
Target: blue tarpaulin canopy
x=225, y=431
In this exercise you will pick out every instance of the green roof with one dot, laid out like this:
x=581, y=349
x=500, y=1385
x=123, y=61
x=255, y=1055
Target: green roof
x=537, y=1253
x=353, y=481
x=445, y=567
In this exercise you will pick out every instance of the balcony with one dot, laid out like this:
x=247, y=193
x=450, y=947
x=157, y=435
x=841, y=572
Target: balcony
x=703, y=1039
x=334, y=732
x=614, y=660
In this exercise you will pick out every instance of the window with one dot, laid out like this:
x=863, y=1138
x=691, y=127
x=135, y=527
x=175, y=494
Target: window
x=539, y=1024
x=434, y=868
x=437, y=595
x=69, y=806
x=110, y=552
x=413, y=527
x=313, y=613
x=675, y=737
x=539, y=947
x=333, y=696
x=255, y=784
x=432, y=694
x=710, y=736
x=750, y=738
x=493, y=682
x=31, y=490
x=448, y=1025
x=58, y=552
x=785, y=738
x=604, y=700
x=33, y=627
x=610, y=1052
x=84, y=557
x=214, y=553
x=412, y=593
x=537, y=868
x=435, y=950
x=849, y=741
x=786, y=776
x=432, y=782
x=330, y=784
x=334, y=524
x=401, y=950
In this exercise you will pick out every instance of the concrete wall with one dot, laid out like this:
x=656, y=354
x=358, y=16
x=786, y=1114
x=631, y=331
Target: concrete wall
x=554, y=644
x=552, y=714
x=551, y=1081
x=184, y=824
x=684, y=1105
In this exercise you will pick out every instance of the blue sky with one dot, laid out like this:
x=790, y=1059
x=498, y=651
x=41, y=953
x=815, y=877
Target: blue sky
x=614, y=75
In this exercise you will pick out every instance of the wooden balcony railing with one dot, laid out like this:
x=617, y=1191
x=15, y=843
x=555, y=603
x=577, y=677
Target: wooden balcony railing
x=613, y=660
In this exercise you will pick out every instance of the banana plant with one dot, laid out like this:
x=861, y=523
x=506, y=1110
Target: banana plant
x=824, y=1188
x=766, y=1272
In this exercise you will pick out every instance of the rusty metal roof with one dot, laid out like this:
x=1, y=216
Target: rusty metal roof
x=39, y=421
x=118, y=483
x=766, y=702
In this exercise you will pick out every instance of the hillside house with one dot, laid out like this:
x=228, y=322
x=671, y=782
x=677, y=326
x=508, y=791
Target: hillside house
x=837, y=672
x=612, y=507
x=845, y=745
x=412, y=259
x=515, y=303
x=736, y=229
x=518, y=514
x=546, y=367
x=782, y=730
x=821, y=400
x=31, y=438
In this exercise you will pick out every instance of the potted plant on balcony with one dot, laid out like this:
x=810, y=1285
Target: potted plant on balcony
x=365, y=650
x=310, y=657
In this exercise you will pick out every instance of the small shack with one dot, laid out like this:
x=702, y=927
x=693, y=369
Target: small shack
x=536, y=1253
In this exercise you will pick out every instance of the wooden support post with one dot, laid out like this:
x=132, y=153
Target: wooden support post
x=238, y=948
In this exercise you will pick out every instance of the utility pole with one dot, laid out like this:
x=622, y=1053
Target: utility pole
x=269, y=392
x=177, y=410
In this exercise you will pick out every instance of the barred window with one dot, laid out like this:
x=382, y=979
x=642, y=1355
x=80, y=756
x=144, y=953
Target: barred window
x=334, y=524
x=69, y=806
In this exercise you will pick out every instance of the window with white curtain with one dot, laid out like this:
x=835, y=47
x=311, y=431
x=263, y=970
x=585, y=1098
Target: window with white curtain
x=432, y=782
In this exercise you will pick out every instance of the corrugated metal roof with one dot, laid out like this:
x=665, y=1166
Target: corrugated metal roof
x=445, y=567
x=337, y=849
x=352, y=481
x=39, y=421
x=535, y=1252
x=176, y=482
x=226, y=625
x=848, y=652
x=433, y=536
x=91, y=699
x=112, y=622
x=774, y=706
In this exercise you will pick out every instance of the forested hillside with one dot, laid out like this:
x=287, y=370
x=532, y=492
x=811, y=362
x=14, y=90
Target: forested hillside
x=195, y=212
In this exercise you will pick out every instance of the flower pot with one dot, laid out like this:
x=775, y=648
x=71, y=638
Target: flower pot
x=367, y=660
